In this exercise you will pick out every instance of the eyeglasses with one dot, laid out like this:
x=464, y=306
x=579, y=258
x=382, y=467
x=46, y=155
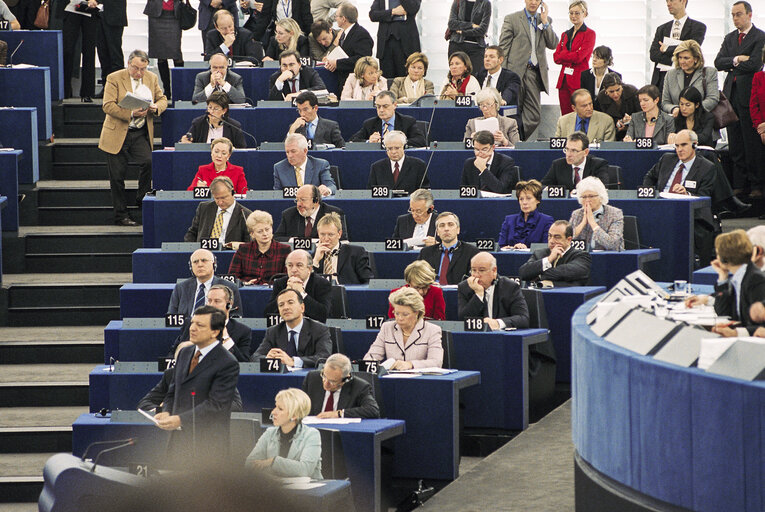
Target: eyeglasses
x=332, y=382
x=383, y=107
x=573, y=151
x=418, y=211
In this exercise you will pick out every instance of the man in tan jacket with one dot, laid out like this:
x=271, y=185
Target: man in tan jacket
x=130, y=134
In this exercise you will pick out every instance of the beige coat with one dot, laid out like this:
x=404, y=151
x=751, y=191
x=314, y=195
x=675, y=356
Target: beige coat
x=423, y=348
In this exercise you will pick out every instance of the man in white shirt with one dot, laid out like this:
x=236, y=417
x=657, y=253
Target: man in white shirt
x=507, y=82
x=681, y=28
x=192, y=293
x=218, y=78
x=222, y=218
x=419, y=224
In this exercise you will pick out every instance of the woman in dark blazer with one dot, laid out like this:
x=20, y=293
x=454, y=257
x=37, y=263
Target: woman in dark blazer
x=165, y=37
x=287, y=37
x=650, y=122
x=76, y=25
x=591, y=79
x=692, y=116
x=217, y=110
x=529, y=226
x=573, y=53
x=618, y=100
x=469, y=23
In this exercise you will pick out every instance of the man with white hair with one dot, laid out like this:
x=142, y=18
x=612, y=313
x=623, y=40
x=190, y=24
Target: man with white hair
x=398, y=172
x=335, y=393
x=299, y=169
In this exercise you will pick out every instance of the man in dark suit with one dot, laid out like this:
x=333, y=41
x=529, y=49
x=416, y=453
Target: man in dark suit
x=236, y=336
x=420, y=222
x=375, y=128
x=450, y=258
x=292, y=78
x=397, y=34
x=192, y=292
x=577, y=164
x=498, y=300
x=259, y=22
x=344, y=263
x=311, y=126
x=299, y=168
x=315, y=291
x=741, y=57
x=109, y=45
x=300, y=220
x=688, y=173
x=200, y=396
x=218, y=78
x=488, y=170
x=335, y=393
x=354, y=40
x=560, y=264
x=297, y=341
x=234, y=227
x=681, y=28
x=507, y=82
x=237, y=44
x=207, y=9
x=398, y=171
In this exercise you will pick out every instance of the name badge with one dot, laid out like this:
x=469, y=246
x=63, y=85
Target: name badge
x=690, y=184
x=568, y=71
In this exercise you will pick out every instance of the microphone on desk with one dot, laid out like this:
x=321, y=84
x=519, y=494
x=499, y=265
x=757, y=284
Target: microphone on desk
x=427, y=166
x=128, y=442
x=193, y=422
x=10, y=59
x=99, y=443
x=233, y=126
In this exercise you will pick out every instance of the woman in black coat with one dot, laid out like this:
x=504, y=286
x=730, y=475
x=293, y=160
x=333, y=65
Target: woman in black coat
x=619, y=101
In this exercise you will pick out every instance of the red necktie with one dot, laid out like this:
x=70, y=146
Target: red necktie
x=678, y=177
x=194, y=361
x=444, y=268
x=577, y=179
x=396, y=170
x=292, y=85
x=308, y=227
x=740, y=37
x=330, y=403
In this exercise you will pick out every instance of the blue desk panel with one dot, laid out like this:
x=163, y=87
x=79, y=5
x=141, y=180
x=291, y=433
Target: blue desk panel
x=35, y=92
x=361, y=448
x=706, y=275
x=41, y=48
x=373, y=220
x=501, y=362
x=18, y=129
x=9, y=187
x=681, y=435
x=254, y=81
x=3, y=206
x=429, y=449
x=173, y=170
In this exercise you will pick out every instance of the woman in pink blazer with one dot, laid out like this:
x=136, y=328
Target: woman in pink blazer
x=573, y=54
x=757, y=102
x=409, y=340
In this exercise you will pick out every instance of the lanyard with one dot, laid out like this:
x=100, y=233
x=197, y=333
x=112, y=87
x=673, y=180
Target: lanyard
x=286, y=8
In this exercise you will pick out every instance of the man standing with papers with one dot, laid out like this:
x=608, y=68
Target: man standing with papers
x=669, y=35
x=128, y=130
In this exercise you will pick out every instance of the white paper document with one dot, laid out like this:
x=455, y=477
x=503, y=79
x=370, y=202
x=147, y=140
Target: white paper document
x=487, y=193
x=304, y=487
x=711, y=349
x=315, y=420
x=668, y=41
x=133, y=102
x=337, y=54
x=672, y=195
x=663, y=67
x=491, y=124
x=148, y=416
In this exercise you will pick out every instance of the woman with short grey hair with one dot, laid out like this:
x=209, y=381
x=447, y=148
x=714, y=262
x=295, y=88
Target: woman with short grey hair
x=599, y=225
x=488, y=101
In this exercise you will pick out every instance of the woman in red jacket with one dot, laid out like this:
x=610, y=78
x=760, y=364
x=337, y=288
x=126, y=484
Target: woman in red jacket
x=757, y=102
x=421, y=276
x=573, y=54
x=221, y=150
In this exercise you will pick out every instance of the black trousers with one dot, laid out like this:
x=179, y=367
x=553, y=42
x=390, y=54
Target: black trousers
x=137, y=148
x=110, y=49
x=393, y=62
x=474, y=51
x=745, y=146
x=74, y=24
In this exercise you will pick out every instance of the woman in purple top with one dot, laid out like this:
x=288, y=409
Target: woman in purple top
x=520, y=230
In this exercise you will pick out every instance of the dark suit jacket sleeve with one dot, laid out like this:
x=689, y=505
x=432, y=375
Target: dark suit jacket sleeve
x=366, y=130
x=531, y=270
x=397, y=230
x=511, y=92
x=242, y=339
x=193, y=231
x=577, y=269
x=211, y=47
x=274, y=94
x=175, y=300
x=502, y=184
x=221, y=393
x=549, y=178
x=362, y=400
x=600, y=170
x=651, y=178
x=281, y=233
x=362, y=267
x=317, y=306
x=236, y=136
x=154, y=398
x=372, y=180
x=313, y=80
x=236, y=93
x=199, y=88
x=322, y=344
x=336, y=136
x=357, y=44
x=512, y=298
x=269, y=342
x=414, y=136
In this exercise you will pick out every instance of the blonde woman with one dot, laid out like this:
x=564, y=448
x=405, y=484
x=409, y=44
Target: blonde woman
x=365, y=82
x=420, y=276
x=289, y=448
x=258, y=261
x=287, y=36
x=414, y=85
x=689, y=71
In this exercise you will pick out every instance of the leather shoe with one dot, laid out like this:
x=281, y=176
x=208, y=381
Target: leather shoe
x=733, y=206
x=86, y=99
x=127, y=221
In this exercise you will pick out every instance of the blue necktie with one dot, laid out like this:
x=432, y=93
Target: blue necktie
x=292, y=345
x=200, y=300
x=310, y=131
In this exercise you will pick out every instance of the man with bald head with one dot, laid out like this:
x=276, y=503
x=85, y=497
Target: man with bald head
x=300, y=220
x=218, y=78
x=192, y=293
x=314, y=289
x=496, y=299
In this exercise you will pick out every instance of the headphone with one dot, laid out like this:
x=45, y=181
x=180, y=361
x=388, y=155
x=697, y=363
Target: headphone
x=315, y=195
x=430, y=209
x=225, y=180
x=694, y=144
x=215, y=264
x=229, y=294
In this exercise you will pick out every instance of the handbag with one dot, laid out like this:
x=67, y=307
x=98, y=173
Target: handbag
x=723, y=112
x=43, y=15
x=187, y=15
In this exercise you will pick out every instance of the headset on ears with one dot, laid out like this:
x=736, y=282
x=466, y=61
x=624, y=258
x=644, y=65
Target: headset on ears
x=431, y=208
x=215, y=265
x=694, y=144
x=347, y=378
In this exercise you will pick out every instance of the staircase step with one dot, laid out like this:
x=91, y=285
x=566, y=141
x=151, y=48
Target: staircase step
x=35, y=439
x=81, y=315
x=81, y=112
x=96, y=243
x=16, y=489
x=78, y=170
x=42, y=394
x=63, y=295
x=51, y=351
x=88, y=129
x=79, y=197
x=64, y=216
x=85, y=150
x=79, y=262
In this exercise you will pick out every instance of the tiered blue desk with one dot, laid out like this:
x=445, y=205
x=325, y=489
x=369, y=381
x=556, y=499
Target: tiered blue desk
x=3, y=206
x=41, y=48
x=9, y=187
x=166, y=220
x=29, y=87
x=18, y=129
x=706, y=275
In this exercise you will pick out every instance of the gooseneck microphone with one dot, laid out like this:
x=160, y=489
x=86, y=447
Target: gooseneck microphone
x=234, y=126
x=10, y=59
x=100, y=443
x=128, y=442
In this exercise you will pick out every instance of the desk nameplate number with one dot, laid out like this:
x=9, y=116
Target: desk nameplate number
x=268, y=365
x=474, y=324
x=394, y=244
x=211, y=244
x=579, y=245
x=163, y=363
x=463, y=101
x=175, y=320
x=556, y=192
x=201, y=193
x=644, y=143
x=369, y=366
x=468, y=192
x=485, y=244
x=302, y=243
x=557, y=142
x=646, y=193
x=468, y=143
x=141, y=470
x=375, y=321
x=289, y=192
x=272, y=320
x=380, y=192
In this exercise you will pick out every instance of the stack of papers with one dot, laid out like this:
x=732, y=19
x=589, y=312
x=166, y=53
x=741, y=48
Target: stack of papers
x=315, y=420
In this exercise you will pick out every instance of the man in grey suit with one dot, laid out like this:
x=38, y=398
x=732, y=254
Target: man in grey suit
x=525, y=35
x=191, y=293
x=299, y=169
x=584, y=118
x=233, y=223
x=313, y=127
x=218, y=78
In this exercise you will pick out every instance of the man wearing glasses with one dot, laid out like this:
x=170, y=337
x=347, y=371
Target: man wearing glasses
x=560, y=264
x=335, y=393
x=299, y=221
x=300, y=169
x=419, y=225
x=597, y=125
x=313, y=127
x=398, y=171
x=577, y=164
x=376, y=128
x=218, y=78
x=314, y=291
x=488, y=170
